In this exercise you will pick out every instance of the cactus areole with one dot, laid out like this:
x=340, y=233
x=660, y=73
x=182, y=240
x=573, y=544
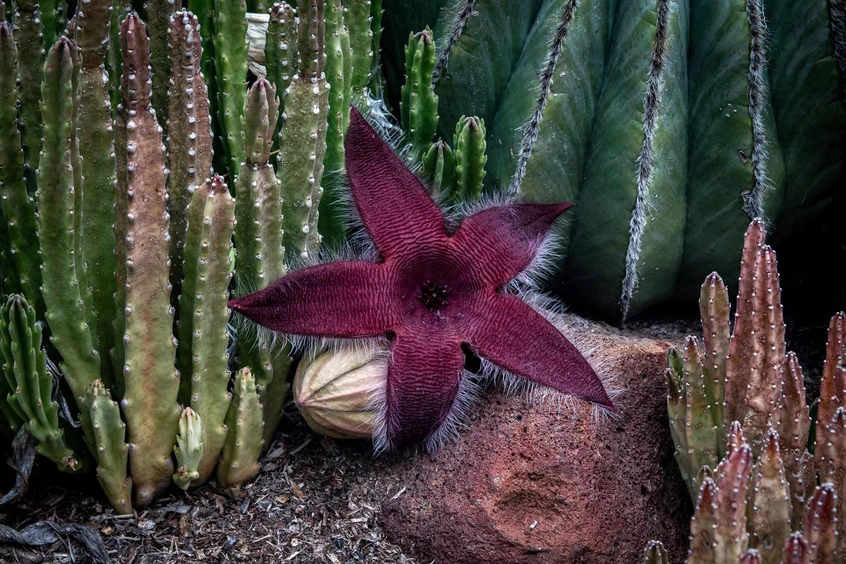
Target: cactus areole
x=432, y=291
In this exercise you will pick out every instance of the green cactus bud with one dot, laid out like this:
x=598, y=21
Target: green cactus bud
x=702, y=433
x=302, y=143
x=470, y=158
x=239, y=462
x=97, y=188
x=419, y=106
x=32, y=386
x=769, y=520
x=334, y=391
x=28, y=26
x=188, y=449
x=189, y=134
x=105, y=434
x=61, y=287
x=655, y=553
x=230, y=53
x=201, y=353
x=21, y=252
x=439, y=168
x=151, y=382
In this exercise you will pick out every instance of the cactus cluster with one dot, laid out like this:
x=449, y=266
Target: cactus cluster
x=670, y=124
x=742, y=427
x=119, y=242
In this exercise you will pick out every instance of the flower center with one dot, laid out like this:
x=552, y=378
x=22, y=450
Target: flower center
x=433, y=295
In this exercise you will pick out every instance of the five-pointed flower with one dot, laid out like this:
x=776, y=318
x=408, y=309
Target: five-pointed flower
x=431, y=292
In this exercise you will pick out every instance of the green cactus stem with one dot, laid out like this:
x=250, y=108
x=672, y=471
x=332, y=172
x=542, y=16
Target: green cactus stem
x=302, y=143
x=332, y=222
x=714, y=310
x=793, y=422
x=201, y=353
x=834, y=351
x=439, y=168
x=280, y=51
x=258, y=244
x=230, y=55
x=22, y=251
x=98, y=179
x=470, y=158
x=120, y=8
x=49, y=21
x=821, y=525
x=151, y=382
x=771, y=504
x=376, y=12
x=359, y=21
x=419, y=105
x=189, y=134
x=105, y=433
x=655, y=553
x=243, y=445
x=189, y=448
x=60, y=271
x=32, y=386
x=30, y=75
x=157, y=14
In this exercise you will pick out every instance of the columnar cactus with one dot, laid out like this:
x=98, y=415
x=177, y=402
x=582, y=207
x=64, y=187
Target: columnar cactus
x=419, y=106
x=148, y=342
x=244, y=440
x=302, y=142
x=230, y=56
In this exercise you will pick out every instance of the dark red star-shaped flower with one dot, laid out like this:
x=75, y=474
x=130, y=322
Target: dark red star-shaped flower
x=431, y=292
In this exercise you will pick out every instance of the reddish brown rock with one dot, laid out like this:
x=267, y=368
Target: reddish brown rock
x=531, y=483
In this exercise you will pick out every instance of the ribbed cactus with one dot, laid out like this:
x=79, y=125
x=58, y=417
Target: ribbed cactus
x=148, y=342
x=419, y=106
x=31, y=55
x=189, y=448
x=670, y=124
x=230, y=56
x=30, y=385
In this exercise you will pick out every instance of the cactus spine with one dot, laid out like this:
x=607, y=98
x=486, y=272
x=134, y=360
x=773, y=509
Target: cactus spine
x=16, y=205
x=97, y=189
x=148, y=362
x=105, y=434
x=202, y=336
x=31, y=386
x=302, y=142
x=243, y=445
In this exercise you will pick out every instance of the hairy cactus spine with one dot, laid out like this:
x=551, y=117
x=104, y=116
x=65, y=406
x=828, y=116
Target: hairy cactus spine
x=105, y=433
x=419, y=104
x=97, y=188
x=189, y=135
x=230, y=55
x=202, y=335
x=32, y=387
x=151, y=382
x=21, y=251
x=66, y=313
x=239, y=462
x=302, y=142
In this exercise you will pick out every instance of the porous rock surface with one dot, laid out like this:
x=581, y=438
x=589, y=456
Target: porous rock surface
x=537, y=482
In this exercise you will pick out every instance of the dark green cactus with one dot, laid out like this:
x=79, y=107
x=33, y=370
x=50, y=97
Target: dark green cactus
x=661, y=198
x=359, y=21
x=470, y=158
x=28, y=35
x=30, y=385
x=239, y=462
x=148, y=343
x=157, y=15
x=419, y=106
x=280, y=49
x=439, y=168
x=230, y=55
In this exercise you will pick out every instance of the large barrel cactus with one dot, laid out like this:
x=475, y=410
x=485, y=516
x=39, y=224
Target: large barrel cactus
x=670, y=123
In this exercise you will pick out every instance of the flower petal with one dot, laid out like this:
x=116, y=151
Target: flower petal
x=502, y=241
x=424, y=374
x=396, y=210
x=343, y=299
x=510, y=334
